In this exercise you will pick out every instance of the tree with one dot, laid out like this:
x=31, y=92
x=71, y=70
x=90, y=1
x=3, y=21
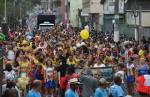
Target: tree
x=16, y=9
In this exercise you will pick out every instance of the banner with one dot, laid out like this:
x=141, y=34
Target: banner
x=105, y=72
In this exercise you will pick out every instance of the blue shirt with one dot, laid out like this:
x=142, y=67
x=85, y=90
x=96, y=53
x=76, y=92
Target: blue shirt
x=143, y=70
x=32, y=93
x=71, y=93
x=116, y=91
x=100, y=93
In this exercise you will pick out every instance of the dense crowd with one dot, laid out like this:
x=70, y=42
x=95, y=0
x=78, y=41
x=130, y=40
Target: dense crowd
x=44, y=64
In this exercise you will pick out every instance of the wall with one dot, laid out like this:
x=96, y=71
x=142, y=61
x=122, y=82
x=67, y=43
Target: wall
x=91, y=6
x=94, y=6
x=74, y=17
x=144, y=18
x=86, y=6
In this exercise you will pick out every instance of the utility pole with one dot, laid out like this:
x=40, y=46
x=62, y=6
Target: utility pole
x=140, y=24
x=135, y=13
x=5, y=12
x=116, y=30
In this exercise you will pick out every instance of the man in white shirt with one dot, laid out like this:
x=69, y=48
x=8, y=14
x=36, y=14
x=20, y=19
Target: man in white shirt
x=11, y=54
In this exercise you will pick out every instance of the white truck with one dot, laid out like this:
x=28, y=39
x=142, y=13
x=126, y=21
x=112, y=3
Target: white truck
x=45, y=26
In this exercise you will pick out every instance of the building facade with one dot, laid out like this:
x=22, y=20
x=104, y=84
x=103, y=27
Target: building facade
x=56, y=7
x=129, y=15
x=137, y=15
x=73, y=15
x=95, y=11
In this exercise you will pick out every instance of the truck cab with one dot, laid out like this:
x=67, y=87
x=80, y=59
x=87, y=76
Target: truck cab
x=45, y=26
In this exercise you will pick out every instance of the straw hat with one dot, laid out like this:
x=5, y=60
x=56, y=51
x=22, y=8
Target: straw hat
x=74, y=81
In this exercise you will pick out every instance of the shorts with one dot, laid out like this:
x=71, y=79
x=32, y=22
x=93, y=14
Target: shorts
x=50, y=84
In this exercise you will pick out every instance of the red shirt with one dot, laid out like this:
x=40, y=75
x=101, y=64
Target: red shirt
x=63, y=82
x=31, y=76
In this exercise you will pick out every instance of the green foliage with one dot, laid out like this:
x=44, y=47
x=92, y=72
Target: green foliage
x=1, y=6
x=2, y=37
x=18, y=9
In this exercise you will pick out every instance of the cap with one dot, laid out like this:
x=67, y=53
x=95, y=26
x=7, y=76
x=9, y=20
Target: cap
x=74, y=81
x=103, y=81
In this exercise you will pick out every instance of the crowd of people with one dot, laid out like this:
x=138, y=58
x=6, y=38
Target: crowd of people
x=43, y=64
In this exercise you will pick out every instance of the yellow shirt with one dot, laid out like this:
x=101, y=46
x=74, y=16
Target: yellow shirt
x=141, y=53
x=54, y=62
x=44, y=66
x=76, y=61
x=24, y=66
x=71, y=62
x=27, y=48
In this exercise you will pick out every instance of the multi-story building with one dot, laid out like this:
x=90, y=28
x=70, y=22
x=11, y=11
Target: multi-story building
x=130, y=17
x=137, y=15
x=56, y=7
x=110, y=15
x=73, y=7
x=95, y=11
x=45, y=4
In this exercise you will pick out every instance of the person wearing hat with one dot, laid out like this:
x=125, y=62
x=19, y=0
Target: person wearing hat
x=72, y=91
x=101, y=90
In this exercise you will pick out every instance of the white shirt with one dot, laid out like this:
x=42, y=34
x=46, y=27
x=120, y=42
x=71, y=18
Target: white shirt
x=9, y=75
x=130, y=69
x=121, y=74
x=11, y=55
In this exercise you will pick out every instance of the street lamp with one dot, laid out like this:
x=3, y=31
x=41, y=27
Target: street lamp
x=113, y=22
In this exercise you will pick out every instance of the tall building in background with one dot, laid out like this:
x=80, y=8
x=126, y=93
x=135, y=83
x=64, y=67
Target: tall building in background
x=133, y=14
x=138, y=11
x=95, y=11
x=73, y=14
x=52, y=7
x=56, y=8
x=44, y=4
